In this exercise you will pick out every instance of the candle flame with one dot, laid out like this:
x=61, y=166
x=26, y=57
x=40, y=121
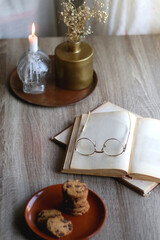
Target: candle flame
x=33, y=29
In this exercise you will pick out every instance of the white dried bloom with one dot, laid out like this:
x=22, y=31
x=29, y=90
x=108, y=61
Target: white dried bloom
x=75, y=18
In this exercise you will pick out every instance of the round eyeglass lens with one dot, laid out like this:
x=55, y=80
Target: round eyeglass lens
x=85, y=147
x=113, y=147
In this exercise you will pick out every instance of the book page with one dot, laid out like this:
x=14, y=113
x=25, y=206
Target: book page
x=99, y=128
x=146, y=152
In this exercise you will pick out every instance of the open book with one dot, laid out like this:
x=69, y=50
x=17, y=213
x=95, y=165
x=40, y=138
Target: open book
x=132, y=149
x=140, y=186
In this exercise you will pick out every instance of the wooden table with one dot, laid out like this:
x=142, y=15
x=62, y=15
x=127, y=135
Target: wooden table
x=128, y=70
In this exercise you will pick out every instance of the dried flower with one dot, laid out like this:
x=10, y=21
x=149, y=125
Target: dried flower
x=76, y=18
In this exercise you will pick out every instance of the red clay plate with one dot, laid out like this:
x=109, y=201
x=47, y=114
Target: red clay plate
x=84, y=227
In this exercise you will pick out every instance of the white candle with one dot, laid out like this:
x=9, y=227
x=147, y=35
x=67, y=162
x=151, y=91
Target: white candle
x=33, y=40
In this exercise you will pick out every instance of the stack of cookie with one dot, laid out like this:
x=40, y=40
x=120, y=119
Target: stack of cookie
x=75, y=197
x=54, y=222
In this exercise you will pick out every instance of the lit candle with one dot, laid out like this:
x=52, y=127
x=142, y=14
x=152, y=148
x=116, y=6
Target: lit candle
x=33, y=40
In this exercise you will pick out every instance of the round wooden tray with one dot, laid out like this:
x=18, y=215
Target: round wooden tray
x=53, y=95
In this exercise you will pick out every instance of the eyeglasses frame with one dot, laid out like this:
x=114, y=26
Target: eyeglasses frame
x=124, y=146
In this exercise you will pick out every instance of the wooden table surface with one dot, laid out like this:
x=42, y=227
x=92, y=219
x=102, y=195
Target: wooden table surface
x=128, y=70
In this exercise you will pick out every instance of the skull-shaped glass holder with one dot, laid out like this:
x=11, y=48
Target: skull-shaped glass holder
x=33, y=70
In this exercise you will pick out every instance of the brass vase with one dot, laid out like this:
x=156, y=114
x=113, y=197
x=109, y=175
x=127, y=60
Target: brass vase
x=74, y=65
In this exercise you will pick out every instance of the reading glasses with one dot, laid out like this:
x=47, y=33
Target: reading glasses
x=111, y=147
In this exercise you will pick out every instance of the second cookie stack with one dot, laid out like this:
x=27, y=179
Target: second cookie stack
x=75, y=197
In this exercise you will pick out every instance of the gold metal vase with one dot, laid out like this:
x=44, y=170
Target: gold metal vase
x=74, y=65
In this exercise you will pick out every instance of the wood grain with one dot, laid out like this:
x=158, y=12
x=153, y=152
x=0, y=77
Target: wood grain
x=129, y=76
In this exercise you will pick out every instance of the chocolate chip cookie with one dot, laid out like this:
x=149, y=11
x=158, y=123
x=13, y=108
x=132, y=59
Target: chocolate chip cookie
x=79, y=210
x=75, y=189
x=45, y=214
x=59, y=227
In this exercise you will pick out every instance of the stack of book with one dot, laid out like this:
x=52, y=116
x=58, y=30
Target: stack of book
x=114, y=142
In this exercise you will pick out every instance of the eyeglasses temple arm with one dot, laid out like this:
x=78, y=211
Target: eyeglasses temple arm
x=86, y=122
x=128, y=132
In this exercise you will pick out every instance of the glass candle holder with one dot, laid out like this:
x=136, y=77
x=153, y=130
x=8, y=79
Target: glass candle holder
x=33, y=69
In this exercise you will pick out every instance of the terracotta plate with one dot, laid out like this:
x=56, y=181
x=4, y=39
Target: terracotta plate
x=53, y=95
x=84, y=227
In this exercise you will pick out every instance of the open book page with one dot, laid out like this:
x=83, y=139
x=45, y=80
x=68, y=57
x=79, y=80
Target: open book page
x=99, y=128
x=146, y=153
